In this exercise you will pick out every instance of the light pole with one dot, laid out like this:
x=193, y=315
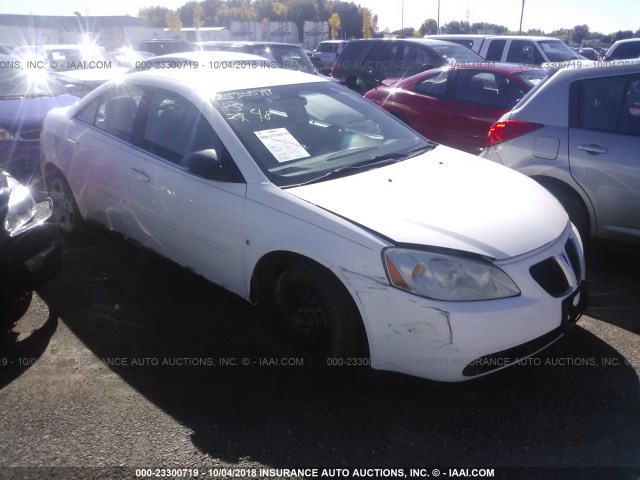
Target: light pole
x=521, y=14
x=402, y=20
x=438, y=17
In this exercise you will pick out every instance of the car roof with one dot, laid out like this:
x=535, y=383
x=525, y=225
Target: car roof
x=627, y=40
x=244, y=42
x=227, y=79
x=210, y=55
x=534, y=38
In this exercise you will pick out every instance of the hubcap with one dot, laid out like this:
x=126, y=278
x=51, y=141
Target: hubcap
x=63, y=209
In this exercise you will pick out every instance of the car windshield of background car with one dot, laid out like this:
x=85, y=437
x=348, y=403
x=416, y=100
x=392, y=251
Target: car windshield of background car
x=557, y=51
x=16, y=83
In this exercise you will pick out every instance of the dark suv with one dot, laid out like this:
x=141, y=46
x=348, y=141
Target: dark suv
x=364, y=64
x=164, y=47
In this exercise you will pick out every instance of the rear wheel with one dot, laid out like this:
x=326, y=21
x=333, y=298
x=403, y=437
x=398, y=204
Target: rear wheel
x=65, y=214
x=320, y=316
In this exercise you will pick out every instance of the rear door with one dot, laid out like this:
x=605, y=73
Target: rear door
x=100, y=145
x=479, y=99
x=427, y=106
x=604, y=141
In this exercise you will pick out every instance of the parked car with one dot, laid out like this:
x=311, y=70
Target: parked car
x=326, y=54
x=282, y=55
x=623, y=49
x=128, y=57
x=165, y=47
x=290, y=190
x=457, y=106
x=26, y=95
x=472, y=41
x=364, y=64
x=527, y=50
x=589, y=53
x=82, y=67
x=29, y=247
x=578, y=134
x=204, y=60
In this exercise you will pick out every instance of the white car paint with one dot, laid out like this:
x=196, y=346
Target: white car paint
x=442, y=199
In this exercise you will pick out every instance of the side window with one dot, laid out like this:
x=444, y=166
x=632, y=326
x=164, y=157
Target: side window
x=626, y=50
x=630, y=117
x=382, y=55
x=88, y=114
x=490, y=88
x=416, y=59
x=434, y=85
x=117, y=110
x=173, y=127
x=494, y=52
x=600, y=102
x=524, y=51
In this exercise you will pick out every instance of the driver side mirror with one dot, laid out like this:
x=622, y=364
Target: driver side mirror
x=206, y=164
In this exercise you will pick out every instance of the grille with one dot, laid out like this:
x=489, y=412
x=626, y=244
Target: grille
x=558, y=274
x=30, y=134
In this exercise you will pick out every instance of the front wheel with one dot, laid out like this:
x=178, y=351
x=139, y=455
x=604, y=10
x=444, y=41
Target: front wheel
x=65, y=212
x=319, y=314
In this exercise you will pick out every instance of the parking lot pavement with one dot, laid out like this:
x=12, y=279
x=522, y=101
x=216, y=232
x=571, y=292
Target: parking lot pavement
x=127, y=360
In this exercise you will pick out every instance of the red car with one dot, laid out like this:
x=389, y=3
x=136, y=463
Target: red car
x=456, y=105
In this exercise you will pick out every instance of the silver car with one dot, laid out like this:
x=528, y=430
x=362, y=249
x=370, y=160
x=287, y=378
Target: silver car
x=578, y=134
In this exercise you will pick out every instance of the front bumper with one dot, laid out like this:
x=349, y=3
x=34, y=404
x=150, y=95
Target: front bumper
x=454, y=341
x=30, y=258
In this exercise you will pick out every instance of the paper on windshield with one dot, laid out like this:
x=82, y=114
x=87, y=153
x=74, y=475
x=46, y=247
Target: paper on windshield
x=282, y=145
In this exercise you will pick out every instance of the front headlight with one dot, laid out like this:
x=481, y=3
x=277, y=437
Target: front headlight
x=21, y=208
x=5, y=134
x=446, y=277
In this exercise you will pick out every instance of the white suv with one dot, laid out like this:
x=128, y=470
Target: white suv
x=578, y=134
x=327, y=53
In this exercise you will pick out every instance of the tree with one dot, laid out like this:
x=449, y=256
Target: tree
x=580, y=33
x=535, y=32
x=173, y=21
x=429, y=27
x=198, y=13
x=485, y=28
x=622, y=35
x=154, y=15
x=457, y=27
x=334, y=23
x=367, y=23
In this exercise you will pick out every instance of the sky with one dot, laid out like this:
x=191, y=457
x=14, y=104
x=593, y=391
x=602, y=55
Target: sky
x=602, y=16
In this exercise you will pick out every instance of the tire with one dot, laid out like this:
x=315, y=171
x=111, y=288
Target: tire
x=65, y=214
x=577, y=214
x=319, y=315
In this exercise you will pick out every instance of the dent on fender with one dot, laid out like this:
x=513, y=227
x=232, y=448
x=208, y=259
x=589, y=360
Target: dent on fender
x=432, y=325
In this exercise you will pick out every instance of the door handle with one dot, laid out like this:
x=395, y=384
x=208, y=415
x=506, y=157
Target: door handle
x=73, y=142
x=141, y=175
x=593, y=149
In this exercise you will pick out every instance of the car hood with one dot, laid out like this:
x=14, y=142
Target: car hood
x=28, y=113
x=446, y=198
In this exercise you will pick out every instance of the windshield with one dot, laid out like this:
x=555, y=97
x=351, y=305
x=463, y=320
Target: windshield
x=19, y=83
x=557, y=51
x=65, y=58
x=301, y=133
x=458, y=53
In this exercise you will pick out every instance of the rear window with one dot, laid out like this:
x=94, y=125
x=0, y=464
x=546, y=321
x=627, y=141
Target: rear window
x=327, y=48
x=625, y=50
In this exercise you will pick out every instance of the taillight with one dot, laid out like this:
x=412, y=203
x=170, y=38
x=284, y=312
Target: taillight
x=333, y=67
x=508, y=129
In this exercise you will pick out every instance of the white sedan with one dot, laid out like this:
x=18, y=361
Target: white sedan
x=376, y=244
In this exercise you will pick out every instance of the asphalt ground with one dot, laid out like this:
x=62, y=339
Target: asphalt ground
x=128, y=361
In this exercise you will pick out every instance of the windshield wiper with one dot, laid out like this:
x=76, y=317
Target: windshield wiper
x=379, y=161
